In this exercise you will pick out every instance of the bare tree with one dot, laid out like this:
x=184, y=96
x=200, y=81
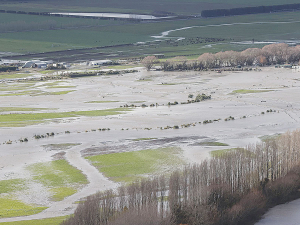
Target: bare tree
x=149, y=61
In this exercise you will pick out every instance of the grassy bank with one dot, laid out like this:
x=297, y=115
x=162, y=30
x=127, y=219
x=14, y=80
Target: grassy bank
x=24, y=119
x=129, y=166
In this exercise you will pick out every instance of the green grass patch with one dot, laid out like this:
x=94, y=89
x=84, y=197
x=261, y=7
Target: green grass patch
x=58, y=173
x=211, y=143
x=7, y=186
x=58, y=92
x=247, y=91
x=129, y=166
x=60, y=193
x=62, y=178
x=13, y=208
x=48, y=221
x=14, y=120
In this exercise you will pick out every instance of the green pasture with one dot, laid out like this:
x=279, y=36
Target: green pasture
x=56, y=40
x=7, y=18
x=235, y=28
x=129, y=166
x=24, y=119
x=48, y=221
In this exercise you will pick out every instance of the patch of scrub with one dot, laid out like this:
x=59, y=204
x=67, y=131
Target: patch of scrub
x=248, y=91
x=129, y=166
x=59, y=147
x=62, y=178
x=24, y=119
x=48, y=221
x=12, y=208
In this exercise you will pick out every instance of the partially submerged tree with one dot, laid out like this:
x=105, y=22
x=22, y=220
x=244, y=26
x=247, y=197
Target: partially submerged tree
x=149, y=61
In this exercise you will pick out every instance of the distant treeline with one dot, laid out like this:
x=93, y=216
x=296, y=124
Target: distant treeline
x=272, y=54
x=249, y=10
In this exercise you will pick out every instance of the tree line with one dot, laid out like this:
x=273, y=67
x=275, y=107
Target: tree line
x=234, y=187
x=249, y=10
x=278, y=53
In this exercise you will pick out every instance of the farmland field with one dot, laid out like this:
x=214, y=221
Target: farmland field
x=136, y=6
x=110, y=39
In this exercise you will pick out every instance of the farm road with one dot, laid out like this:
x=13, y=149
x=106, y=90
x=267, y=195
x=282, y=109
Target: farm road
x=67, y=206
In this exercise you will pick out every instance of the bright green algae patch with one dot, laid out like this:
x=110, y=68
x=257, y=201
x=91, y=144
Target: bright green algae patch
x=18, y=120
x=129, y=166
